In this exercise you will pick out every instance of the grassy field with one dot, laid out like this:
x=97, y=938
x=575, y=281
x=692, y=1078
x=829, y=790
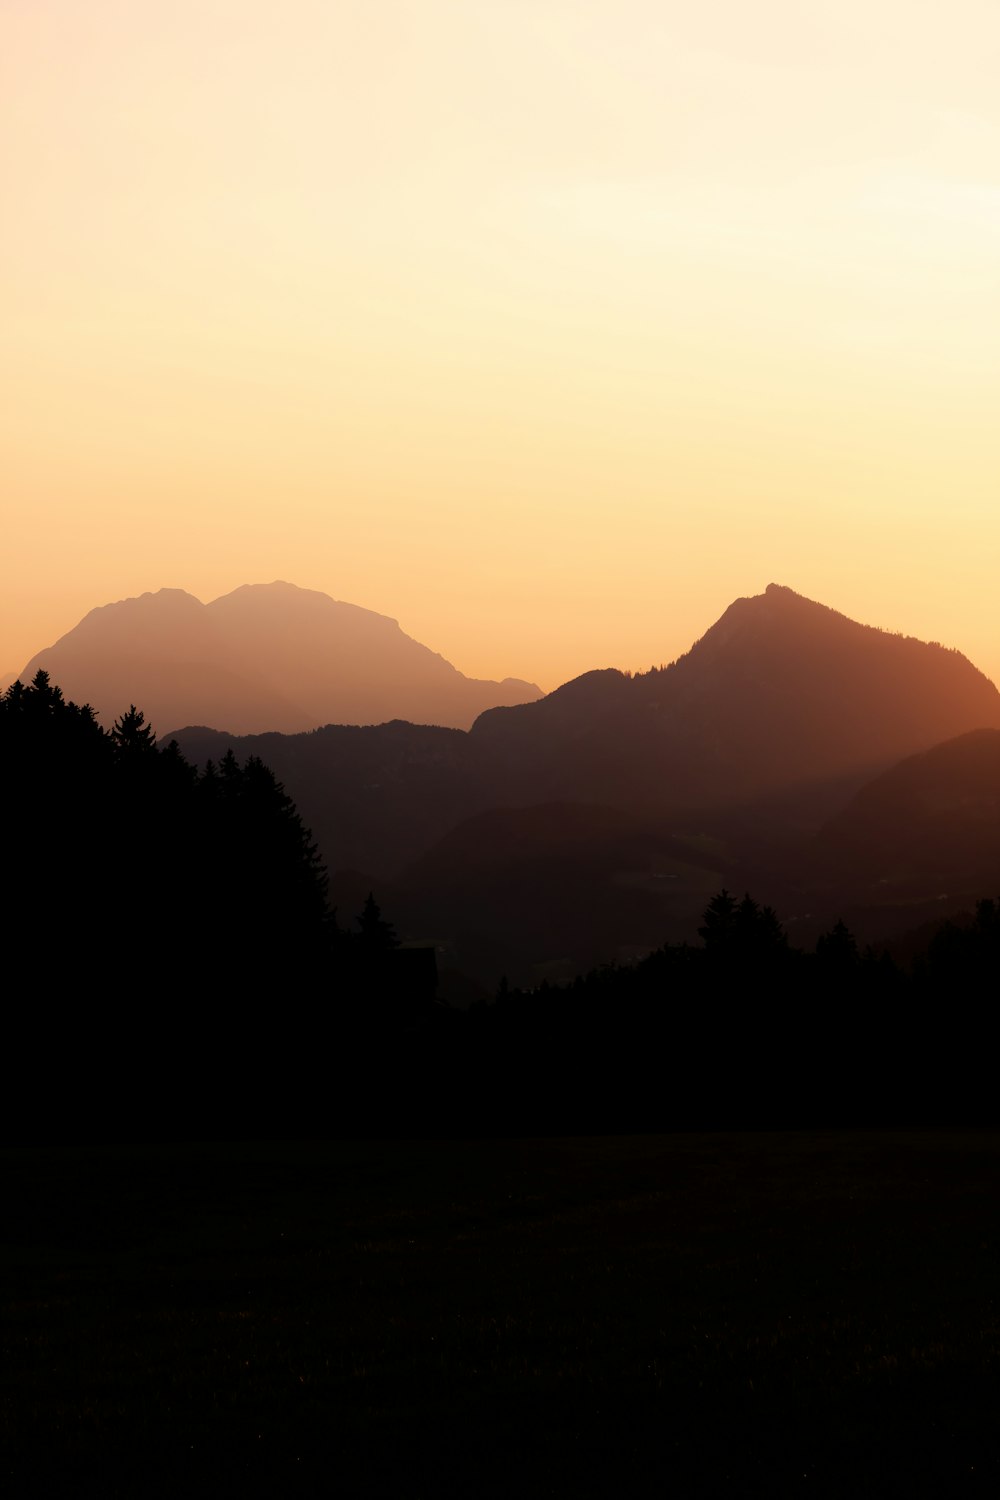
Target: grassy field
x=812, y=1313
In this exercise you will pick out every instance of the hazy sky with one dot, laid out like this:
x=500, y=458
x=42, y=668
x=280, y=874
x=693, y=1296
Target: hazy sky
x=546, y=326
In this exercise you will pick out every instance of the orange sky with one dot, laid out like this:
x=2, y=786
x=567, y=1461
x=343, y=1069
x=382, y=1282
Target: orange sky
x=547, y=327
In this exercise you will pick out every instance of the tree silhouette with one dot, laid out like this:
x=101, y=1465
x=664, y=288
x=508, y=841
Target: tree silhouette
x=719, y=923
x=376, y=934
x=124, y=851
x=837, y=952
x=132, y=735
x=743, y=930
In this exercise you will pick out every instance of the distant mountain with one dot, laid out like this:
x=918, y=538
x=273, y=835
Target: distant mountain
x=265, y=657
x=626, y=798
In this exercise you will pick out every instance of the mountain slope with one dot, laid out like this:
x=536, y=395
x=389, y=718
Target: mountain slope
x=348, y=665
x=265, y=657
x=933, y=820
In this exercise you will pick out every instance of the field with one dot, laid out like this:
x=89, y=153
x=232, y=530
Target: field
x=690, y=1314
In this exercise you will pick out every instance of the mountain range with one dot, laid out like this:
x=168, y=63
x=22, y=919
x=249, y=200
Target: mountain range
x=265, y=657
x=599, y=816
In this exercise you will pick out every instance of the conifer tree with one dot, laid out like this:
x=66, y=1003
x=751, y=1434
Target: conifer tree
x=376, y=933
x=132, y=735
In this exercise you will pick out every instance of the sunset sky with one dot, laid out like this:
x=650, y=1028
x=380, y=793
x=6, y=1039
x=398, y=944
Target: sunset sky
x=547, y=327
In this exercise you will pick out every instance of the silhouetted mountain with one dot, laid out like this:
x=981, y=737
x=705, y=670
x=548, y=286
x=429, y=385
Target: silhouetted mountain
x=265, y=657
x=768, y=725
x=779, y=693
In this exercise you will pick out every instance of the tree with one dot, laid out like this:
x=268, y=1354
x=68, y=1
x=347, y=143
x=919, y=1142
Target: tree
x=376, y=934
x=741, y=930
x=132, y=735
x=837, y=952
x=719, y=923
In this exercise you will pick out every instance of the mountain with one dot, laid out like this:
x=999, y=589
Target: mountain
x=621, y=800
x=780, y=693
x=265, y=657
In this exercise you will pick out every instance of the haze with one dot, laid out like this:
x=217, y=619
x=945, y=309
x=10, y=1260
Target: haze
x=546, y=328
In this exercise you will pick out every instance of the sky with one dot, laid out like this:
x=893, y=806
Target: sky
x=547, y=327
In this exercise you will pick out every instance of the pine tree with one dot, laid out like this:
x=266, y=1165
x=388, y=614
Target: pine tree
x=719, y=923
x=376, y=934
x=132, y=735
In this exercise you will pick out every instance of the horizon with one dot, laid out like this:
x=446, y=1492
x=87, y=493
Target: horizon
x=546, y=331
x=546, y=688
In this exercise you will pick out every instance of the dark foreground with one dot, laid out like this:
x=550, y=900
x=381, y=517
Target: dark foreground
x=686, y=1314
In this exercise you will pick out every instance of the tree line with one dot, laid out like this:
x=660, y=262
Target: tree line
x=170, y=941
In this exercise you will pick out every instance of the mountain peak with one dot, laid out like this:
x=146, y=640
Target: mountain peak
x=152, y=599
x=151, y=612
x=781, y=620
x=264, y=600
x=780, y=690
